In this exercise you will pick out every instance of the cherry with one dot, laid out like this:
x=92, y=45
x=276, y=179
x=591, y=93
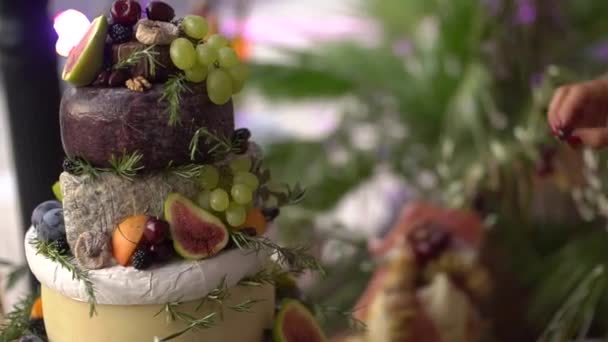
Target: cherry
x=162, y=252
x=156, y=231
x=158, y=10
x=428, y=240
x=126, y=12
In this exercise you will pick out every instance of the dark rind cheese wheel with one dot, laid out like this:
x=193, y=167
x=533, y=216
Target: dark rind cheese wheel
x=97, y=123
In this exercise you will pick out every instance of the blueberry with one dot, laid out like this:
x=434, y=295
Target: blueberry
x=41, y=209
x=52, y=227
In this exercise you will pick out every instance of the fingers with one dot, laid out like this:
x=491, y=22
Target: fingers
x=591, y=137
x=571, y=108
x=554, y=120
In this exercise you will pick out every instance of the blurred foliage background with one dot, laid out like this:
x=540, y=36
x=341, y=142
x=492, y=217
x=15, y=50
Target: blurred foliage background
x=451, y=96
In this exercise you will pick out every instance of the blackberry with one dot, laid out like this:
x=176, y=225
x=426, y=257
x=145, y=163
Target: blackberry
x=62, y=245
x=120, y=33
x=141, y=258
x=36, y=326
x=68, y=165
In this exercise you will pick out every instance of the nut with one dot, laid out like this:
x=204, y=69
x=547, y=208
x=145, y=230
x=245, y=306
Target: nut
x=92, y=250
x=138, y=83
x=151, y=32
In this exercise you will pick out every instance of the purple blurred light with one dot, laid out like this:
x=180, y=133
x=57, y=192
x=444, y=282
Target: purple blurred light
x=526, y=12
x=600, y=52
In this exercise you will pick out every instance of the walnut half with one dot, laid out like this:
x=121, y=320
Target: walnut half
x=138, y=83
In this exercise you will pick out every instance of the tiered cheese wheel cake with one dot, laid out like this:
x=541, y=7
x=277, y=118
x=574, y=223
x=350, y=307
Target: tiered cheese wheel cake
x=162, y=207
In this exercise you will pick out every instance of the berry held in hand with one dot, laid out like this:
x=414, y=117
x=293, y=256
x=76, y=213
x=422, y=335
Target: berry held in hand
x=428, y=240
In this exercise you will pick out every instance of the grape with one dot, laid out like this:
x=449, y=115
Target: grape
x=246, y=178
x=241, y=193
x=238, y=74
x=195, y=26
x=227, y=57
x=182, y=53
x=240, y=164
x=218, y=199
x=206, y=54
x=203, y=199
x=197, y=73
x=219, y=86
x=235, y=214
x=217, y=42
x=209, y=177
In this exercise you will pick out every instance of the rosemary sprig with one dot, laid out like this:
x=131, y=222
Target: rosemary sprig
x=267, y=276
x=219, y=294
x=172, y=91
x=323, y=313
x=50, y=250
x=127, y=165
x=206, y=322
x=16, y=322
x=171, y=309
x=188, y=171
x=79, y=166
x=246, y=305
x=284, y=193
x=221, y=147
x=136, y=56
x=296, y=258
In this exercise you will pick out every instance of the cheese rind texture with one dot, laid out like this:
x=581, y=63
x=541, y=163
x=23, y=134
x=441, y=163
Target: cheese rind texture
x=179, y=280
x=102, y=202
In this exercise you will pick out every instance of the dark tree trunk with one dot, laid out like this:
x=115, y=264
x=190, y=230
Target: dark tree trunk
x=28, y=72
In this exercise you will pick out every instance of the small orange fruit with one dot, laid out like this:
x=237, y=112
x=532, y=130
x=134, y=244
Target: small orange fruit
x=126, y=237
x=255, y=219
x=36, y=312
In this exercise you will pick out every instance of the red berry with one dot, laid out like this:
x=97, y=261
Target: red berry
x=428, y=240
x=156, y=231
x=158, y=10
x=126, y=12
x=162, y=252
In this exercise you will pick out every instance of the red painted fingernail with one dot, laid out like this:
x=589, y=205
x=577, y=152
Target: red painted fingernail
x=574, y=141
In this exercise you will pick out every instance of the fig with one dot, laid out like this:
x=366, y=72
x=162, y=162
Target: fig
x=86, y=59
x=295, y=323
x=196, y=233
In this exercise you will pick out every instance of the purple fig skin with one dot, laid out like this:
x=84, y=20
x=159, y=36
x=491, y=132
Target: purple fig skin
x=99, y=122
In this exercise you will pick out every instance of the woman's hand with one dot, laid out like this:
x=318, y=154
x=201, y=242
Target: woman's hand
x=578, y=113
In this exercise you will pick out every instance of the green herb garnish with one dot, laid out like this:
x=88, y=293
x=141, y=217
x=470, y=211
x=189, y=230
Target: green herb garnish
x=136, y=56
x=127, y=165
x=172, y=93
x=50, y=250
x=221, y=147
x=296, y=258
